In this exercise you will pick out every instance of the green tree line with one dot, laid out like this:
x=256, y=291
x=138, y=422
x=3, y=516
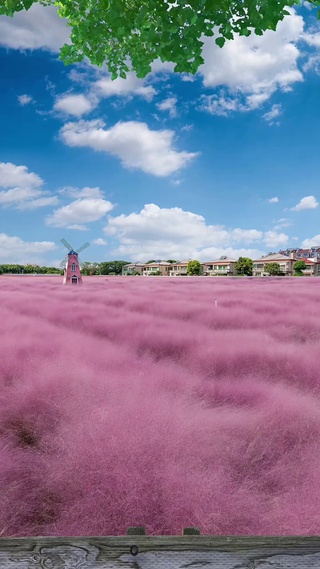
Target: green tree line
x=105, y=268
x=27, y=269
x=244, y=266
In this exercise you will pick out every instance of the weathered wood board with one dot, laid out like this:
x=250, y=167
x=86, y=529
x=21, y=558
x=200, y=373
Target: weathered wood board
x=163, y=552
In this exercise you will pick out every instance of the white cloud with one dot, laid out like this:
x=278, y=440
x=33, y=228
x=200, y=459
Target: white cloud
x=75, y=105
x=213, y=253
x=99, y=241
x=220, y=104
x=18, y=176
x=157, y=232
x=254, y=101
x=311, y=242
x=79, y=212
x=246, y=235
x=281, y=224
x=158, y=66
x=308, y=202
x=168, y=105
x=312, y=39
x=130, y=86
x=25, y=100
x=275, y=112
x=188, y=78
x=253, y=68
x=39, y=202
x=23, y=185
x=313, y=64
x=15, y=250
x=224, y=102
x=78, y=227
x=307, y=5
x=137, y=146
x=16, y=196
x=25, y=188
x=187, y=127
x=82, y=72
x=86, y=192
x=275, y=239
x=103, y=87
x=273, y=200
x=39, y=27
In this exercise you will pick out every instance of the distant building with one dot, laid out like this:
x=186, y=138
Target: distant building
x=314, y=252
x=222, y=266
x=132, y=268
x=312, y=267
x=302, y=254
x=226, y=266
x=72, y=274
x=285, y=262
x=161, y=266
x=179, y=269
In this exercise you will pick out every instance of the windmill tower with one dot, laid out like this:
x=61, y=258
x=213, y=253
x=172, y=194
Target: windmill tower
x=72, y=264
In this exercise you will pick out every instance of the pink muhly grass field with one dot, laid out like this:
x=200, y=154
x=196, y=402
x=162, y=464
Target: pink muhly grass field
x=136, y=401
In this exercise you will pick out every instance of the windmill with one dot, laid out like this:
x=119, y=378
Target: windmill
x=72, y=264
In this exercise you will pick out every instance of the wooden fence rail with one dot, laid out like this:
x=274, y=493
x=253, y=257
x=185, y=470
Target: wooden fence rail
x=138, y=551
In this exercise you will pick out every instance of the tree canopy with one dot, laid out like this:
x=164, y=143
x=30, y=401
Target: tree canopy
x=273, y=269
x=194, y=267
x=27, y=269
x=244, y=266
x=299, y=267
x=111, y=267
x=140, y=31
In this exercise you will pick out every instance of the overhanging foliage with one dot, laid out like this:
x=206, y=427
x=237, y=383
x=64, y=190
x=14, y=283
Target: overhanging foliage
x=118, y=31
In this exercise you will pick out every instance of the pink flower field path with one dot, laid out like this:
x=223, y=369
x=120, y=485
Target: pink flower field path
x=137, y=401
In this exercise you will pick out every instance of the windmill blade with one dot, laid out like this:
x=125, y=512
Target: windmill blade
x=83, y=247
x=81, y=263
x=63, y=263
x=66, y=244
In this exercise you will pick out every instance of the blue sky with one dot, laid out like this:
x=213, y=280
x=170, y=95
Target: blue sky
x=173, y=166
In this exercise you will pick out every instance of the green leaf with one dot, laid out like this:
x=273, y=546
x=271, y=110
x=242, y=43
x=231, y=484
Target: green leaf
x=194, y=19
x=245, y=32
x=220, y=41
x=28, y=3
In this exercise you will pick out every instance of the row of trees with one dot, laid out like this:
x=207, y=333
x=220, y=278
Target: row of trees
x=106, y=268
x=27, y=270
x=244, y=266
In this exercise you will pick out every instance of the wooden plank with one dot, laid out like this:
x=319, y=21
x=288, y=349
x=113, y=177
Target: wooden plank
x=163, y=552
